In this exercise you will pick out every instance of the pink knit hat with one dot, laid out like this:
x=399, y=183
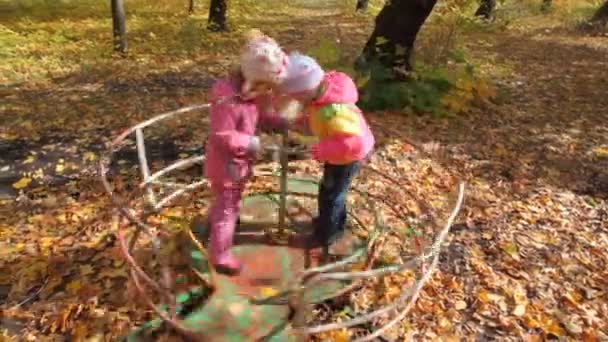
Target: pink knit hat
x=262, y=60
x=303, y=74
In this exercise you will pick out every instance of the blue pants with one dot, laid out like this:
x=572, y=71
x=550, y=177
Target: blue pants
x=332, y=200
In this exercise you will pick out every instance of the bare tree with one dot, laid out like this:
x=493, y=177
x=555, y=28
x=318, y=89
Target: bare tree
x=392, y=41
x=217, y=16
x=119, y=27
x=546, y=6
x=191, y=7
x=601, y=15
x=485, y=9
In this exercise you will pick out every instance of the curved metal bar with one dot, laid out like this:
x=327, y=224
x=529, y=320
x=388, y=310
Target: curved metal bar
x=134, y=266
x=179, y=164
x=157, y=118
x=167, y=199
x=117, y=200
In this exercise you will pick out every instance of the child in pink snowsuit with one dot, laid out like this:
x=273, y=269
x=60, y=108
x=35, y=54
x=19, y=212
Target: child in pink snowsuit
x=344, y=137
x=238, y=105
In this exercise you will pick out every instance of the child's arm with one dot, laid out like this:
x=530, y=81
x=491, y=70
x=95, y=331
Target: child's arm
x=223, y=121
x=223, y=130
x=270, y=119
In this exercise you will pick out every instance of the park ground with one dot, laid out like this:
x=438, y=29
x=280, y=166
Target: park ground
x=528, y=255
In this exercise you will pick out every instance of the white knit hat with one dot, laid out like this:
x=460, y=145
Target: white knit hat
x=262, y=60
x=303, y=74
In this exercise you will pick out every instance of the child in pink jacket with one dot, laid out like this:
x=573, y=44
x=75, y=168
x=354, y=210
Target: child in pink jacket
x=344, y=137
x=238, y=103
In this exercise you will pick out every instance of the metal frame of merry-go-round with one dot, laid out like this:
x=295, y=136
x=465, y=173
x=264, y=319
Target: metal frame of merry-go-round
x=399, y=308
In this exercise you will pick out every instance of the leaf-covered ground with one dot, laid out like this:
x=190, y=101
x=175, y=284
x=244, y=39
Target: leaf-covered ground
x=528, y=258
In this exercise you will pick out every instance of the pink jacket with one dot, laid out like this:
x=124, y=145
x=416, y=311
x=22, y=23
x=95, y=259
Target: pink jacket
x=344, y=135
x=233, y=124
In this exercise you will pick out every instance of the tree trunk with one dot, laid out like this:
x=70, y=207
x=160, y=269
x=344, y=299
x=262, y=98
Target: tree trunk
x=601, y=15
x=546, y=6
x=485, y=9
x=392, y=41
x=119, y=27
x=362, y=5
x=217, y=16
x=191, y=7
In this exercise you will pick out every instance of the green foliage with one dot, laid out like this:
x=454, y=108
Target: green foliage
x=327, y=53
x=438, y=90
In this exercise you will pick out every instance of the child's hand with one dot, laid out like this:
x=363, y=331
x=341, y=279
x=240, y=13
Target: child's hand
x=265, y=103
x=255, y=146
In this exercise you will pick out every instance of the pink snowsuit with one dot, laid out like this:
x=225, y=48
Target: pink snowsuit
x=227, y=166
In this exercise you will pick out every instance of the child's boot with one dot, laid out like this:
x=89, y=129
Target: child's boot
x=222, y=219
x=221, y=257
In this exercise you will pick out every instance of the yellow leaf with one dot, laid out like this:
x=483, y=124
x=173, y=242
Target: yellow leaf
x=6, y=136
x=341, y=336
x=381, y=40
x=268, y=291
x=59, y=168
x=113, y=273
x=511, y=249
x=460, y=305
x=89, y=156
x=22, y=183
x=86, y=270
x=444, y=323
x=552, y=327
x=73, y=286
x=46, y=242
x=29, y=159
x=519, y=310
x=483, y=296
x=530, y=322
x=27, y=125
x=38, y=174
x=601, y=152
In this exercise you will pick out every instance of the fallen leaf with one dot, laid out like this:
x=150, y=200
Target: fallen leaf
x=73, y=286
x=89, y=156
x=519, y=310
x=29, y=159
x=511, y=249
x=113, y=273
x=80, y=332
x=86, y=270
x=460, y=305
x=59, y=168
x=601, y=152
x=22, y=183
x=268, y=291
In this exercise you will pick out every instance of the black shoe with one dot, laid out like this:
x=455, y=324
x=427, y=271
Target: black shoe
x=315, y=241
x=228, y=271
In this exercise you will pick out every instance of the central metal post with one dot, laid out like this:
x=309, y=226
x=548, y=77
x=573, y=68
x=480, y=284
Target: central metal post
x=283, y=184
